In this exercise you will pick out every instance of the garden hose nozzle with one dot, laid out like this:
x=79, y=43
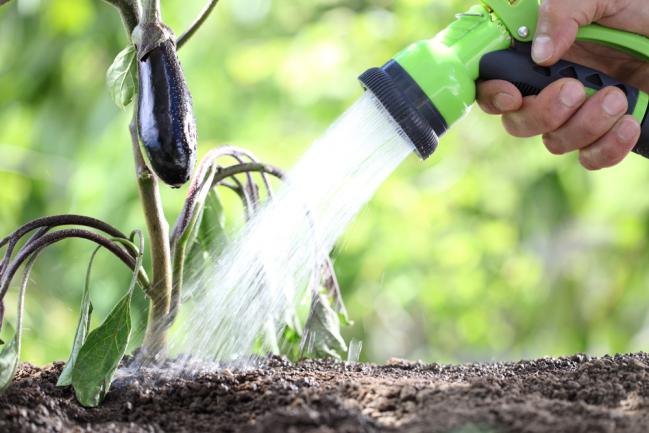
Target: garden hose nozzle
x=431, y=84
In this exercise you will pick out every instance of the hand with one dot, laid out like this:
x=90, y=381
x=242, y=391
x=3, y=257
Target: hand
x=597, y=127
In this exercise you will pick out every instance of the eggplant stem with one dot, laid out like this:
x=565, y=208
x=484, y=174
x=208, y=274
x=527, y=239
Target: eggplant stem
x=151, y=11
x=155, y=339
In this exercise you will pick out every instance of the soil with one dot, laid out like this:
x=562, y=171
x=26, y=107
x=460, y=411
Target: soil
x=575, y=394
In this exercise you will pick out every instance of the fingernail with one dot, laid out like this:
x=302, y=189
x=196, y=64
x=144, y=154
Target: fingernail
x=586, y=160
x=628, y=130
x=572, y=93
x=503, y=101
x=614, y=104
x=542, y=49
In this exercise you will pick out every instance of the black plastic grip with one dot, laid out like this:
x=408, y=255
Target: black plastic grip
x=516, y=66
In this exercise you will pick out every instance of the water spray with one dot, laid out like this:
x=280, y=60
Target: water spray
x=431, y=85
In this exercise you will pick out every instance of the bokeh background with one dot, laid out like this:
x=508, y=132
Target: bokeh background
x=491, y=250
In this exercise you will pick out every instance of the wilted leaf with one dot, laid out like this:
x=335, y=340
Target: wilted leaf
x=211, y=233
x=121, y=77
x=322, y=336
x=332, y=291
x=9, y=360
x=101, y=354
x=210, y=238
x=82, y=328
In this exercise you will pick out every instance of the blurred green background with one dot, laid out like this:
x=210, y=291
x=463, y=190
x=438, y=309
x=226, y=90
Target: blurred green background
x=492, y=249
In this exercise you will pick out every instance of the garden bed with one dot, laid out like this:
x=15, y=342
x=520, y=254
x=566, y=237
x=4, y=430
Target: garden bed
x=575, y=394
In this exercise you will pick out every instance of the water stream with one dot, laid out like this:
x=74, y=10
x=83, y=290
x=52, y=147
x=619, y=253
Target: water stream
x=265, y=269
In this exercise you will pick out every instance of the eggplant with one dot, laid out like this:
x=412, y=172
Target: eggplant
x=166, y=124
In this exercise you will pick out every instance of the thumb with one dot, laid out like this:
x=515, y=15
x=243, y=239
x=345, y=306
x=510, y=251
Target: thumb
x=559, y=21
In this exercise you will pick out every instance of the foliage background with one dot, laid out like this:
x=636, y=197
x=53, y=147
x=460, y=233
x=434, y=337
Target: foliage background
x=493, y=249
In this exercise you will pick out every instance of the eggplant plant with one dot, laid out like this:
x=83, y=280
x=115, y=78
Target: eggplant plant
x=148, y=71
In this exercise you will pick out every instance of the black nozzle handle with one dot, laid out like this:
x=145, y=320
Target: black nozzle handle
x=516, y=66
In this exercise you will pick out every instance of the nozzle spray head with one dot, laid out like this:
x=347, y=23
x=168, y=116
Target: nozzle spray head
x=431, y=84
x=408, y=105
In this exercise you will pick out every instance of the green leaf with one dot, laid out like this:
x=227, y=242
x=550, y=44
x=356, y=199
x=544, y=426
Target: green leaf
x=322, y=337
x=121, y=77
x=210, y=238
x=83, y=327
x=101, y=354
x=105, y=346
x=9, y=360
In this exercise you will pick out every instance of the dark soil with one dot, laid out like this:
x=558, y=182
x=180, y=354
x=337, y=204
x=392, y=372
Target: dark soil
x=576, y=394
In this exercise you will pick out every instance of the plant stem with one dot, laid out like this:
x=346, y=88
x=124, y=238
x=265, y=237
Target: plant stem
x=247, y=167
x=157, y=226
x=59, y=220
x=54, y=237
x=197, y=24
x=130, y=11
x=155, y=340
x=21, y=300
x=151, y=11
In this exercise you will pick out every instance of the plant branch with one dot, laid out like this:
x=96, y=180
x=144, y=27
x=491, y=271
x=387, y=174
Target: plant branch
x=130, y=12
x=237, y=190
x=5, y=262
x=57, y=236
x=259, y=167
x=244, y=194
x=50, y=222
x=60, y=220
x=205, y=13
x=240, y=154
x=21, y=300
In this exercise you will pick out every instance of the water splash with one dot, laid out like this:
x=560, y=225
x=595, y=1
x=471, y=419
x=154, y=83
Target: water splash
x=264, y=271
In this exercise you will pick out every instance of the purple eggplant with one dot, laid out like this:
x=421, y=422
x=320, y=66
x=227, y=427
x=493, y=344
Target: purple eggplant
x=166, y=122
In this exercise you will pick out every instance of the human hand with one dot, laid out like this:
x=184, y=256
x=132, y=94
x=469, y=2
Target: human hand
x=597, y=127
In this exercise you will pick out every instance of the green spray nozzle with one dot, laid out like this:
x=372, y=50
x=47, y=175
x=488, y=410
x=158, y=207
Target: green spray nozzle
x=431, y=84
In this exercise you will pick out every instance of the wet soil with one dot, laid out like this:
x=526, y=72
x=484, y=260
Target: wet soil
x=575, y=394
